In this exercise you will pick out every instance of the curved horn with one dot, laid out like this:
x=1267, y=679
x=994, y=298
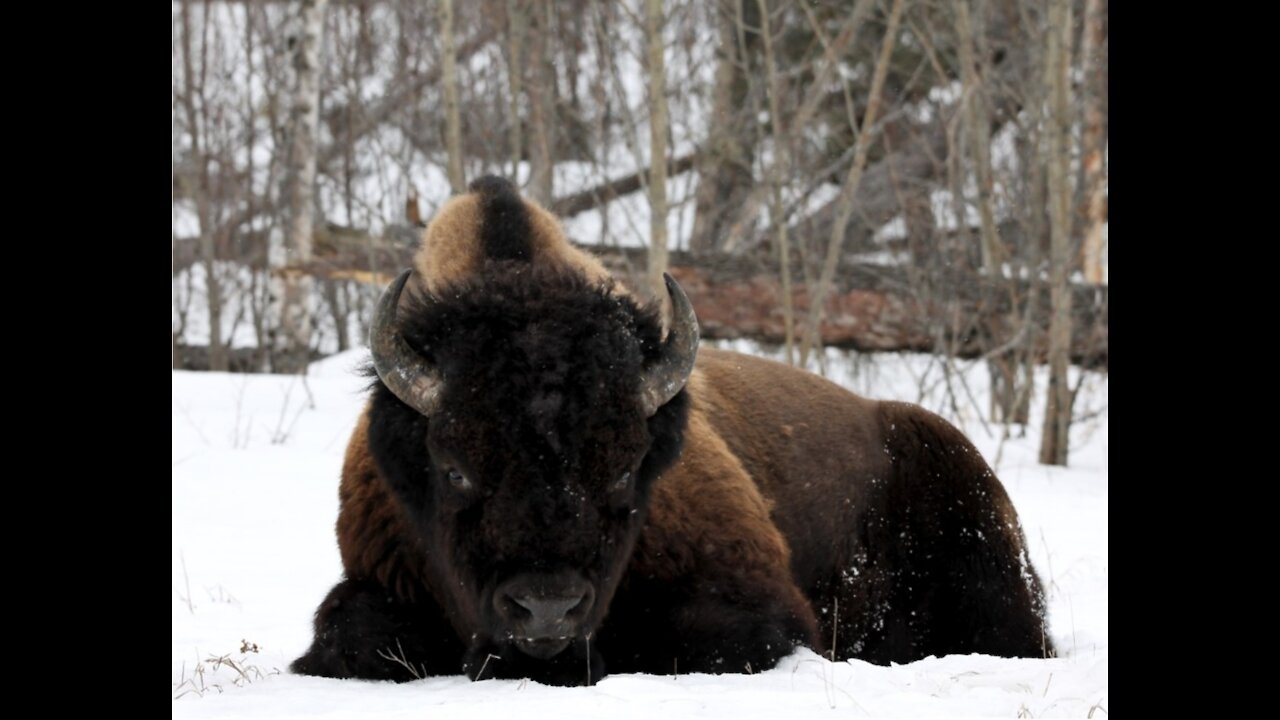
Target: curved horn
x=404, y=372
x=668, y=375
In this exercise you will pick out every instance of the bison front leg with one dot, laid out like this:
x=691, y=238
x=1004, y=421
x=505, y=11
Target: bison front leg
x=712, y=623
x=709, y=588
x=362, y=631
x=742, y=624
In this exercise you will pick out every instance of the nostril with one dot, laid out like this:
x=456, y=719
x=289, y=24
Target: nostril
x=512, y=609
x=584, y=604
x=528, y=604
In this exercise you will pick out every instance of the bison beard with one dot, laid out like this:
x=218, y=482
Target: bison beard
x=540, y=487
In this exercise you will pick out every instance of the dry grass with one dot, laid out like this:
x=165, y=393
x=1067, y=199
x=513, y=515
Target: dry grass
x=190, y=606
x=403, y=661
x=217, y=672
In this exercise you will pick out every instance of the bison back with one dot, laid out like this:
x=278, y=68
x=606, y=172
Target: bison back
x=901, y=536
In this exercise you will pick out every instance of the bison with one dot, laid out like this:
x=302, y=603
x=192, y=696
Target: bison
x=550, y=480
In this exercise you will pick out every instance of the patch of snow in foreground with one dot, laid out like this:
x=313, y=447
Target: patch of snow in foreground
x=255, y=476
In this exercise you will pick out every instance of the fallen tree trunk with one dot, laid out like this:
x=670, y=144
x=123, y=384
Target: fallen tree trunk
x=869, y=308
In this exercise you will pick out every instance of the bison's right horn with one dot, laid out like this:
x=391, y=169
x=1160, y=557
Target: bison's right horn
x=402, y=370
x=668, y=375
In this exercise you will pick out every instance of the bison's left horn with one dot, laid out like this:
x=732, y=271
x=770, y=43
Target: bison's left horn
x=670, y=372
x=402, y=370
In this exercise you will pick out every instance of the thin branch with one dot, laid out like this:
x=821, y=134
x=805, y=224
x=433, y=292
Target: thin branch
x=844, y=206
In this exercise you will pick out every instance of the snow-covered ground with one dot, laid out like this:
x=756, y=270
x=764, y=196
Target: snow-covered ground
x=255, y=472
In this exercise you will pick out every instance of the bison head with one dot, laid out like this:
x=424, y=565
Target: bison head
x=521, y=419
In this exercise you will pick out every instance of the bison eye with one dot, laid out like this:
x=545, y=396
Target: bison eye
x=459, y=481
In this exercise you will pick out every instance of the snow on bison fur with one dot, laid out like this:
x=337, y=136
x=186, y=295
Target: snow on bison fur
x=543, y=484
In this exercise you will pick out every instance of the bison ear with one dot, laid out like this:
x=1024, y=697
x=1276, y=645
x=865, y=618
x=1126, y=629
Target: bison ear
x=667, y=376
x=416, y=382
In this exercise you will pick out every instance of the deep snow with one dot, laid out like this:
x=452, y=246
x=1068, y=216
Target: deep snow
x=255, y=472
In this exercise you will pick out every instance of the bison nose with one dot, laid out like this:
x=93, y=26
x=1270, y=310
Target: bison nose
x=544, y=607
x=547, y=610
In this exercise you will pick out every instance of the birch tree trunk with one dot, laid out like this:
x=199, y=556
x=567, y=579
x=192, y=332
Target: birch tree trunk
x=256, y=282
x=200, y=184
x=1057, y=418
x=453, y=124
x=657, y=152
x=844, y=203
x=293, y=333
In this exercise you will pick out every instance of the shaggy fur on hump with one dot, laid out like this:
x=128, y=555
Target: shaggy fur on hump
x=492, y=221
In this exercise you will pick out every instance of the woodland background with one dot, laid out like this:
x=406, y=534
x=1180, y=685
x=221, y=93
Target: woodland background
x=869, y=175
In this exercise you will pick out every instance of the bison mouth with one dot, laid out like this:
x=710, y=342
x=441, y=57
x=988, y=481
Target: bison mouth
x=542, y=648
x=567, y=660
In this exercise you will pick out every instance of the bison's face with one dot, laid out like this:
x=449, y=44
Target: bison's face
x=538, y=499
x=522, y=425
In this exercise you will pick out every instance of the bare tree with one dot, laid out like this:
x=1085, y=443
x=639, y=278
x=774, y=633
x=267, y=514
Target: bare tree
x=657, y=150
x=337, y=298
x=977, y=122
x=197, y=109
x=1094, y=97
x=784, y=133
x=781, y=149
x=449, y=78
x=1025, y=85
x=844, y=204
x=1004, y=333
x=515, y=76
x=805, y=114
x=293, y=334
x=1057, y=417
x=539, y=92
x=730, y=145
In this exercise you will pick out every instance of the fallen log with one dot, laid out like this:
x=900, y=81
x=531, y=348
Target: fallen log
x=870, y=308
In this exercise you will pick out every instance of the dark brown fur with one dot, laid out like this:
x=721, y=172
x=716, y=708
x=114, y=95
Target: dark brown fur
x=795, y=512
x=848, y=478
